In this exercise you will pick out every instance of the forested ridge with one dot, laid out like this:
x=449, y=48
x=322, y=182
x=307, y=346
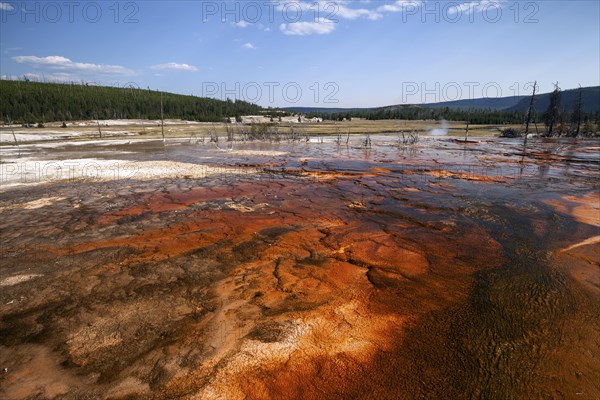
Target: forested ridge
x=585, y=102
x=34, y=102
x=409, y=112
x=38, y=102
x=475, y=116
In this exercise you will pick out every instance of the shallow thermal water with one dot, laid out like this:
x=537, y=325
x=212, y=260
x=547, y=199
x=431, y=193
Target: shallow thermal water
x=300, y=270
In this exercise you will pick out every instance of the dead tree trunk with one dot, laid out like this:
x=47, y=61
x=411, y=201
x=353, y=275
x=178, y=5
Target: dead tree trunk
x=143, y=125
x=12, y=130
x=162, y=119
x=467, y=127
x=14, y=137
x=578, y=112
x=530, y=111
x=552, y=117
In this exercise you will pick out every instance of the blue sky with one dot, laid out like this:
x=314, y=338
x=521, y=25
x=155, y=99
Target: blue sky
x=306, y=53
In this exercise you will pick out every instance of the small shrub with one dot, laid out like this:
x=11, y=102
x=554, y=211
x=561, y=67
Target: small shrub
x=588, y=129
x=510, y=133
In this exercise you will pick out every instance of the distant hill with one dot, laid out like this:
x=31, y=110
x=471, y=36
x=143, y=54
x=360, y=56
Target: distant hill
x=500, y=103
x=29, y=102
x=591, y=104
x=590, y=95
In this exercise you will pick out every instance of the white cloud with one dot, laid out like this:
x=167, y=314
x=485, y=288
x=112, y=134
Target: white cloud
x=282, y=5
x=176, y=67
x=249, y=46
x=11, y=49
x=321, y=26
x=65, y=64
x=355, y=13
x=242, y=24
x=6, y=7
x=334, y=9
x=319, y=15
x=400, y=6
x=472, y=6
x=245, y=24
x=329, y=9
x=263, y=27
x=462, y=7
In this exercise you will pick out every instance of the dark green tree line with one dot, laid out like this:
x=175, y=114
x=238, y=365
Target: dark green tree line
x=29, y=102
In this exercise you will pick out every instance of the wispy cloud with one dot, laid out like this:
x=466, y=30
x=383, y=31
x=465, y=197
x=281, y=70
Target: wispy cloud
x=11, y=49
x=65, y=64
x=334, y=9
x=176, y=67
x=6, y=7
x=400, y=6
x=242, y=24
x=249, y=46
x=472, y=6
x=321, y=26
x=355, y=13
x=339, y=8
x=320, y=15
x=245, y=24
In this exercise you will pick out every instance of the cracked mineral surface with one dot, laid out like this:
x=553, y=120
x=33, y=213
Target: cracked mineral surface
x=300, y=271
